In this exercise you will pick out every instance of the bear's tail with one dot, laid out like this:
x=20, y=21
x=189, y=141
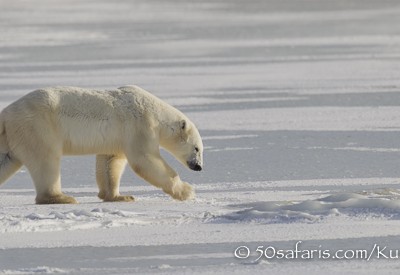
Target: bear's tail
x=8, y=165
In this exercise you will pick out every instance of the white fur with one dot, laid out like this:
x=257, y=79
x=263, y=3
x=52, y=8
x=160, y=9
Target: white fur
x=125, y=125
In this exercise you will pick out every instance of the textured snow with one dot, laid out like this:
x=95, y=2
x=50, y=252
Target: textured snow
x=299, y=106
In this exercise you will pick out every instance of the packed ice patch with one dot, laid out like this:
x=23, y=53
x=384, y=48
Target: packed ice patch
x=383, y=204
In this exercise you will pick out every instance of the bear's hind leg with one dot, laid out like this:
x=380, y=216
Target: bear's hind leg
x=46, y=177
x=8, y=166
x=109, y=169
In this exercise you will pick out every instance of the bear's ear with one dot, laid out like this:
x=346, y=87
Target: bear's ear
x=182, y=124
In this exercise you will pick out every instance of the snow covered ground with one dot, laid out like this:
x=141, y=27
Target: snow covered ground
x=298, y=104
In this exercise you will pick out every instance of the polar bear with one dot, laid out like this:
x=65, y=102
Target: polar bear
x=125, y=125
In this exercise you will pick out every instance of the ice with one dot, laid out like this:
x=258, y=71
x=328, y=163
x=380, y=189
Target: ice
x=299, y=106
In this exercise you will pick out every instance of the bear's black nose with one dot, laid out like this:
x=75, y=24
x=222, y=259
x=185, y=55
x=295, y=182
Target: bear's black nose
x=195, y=166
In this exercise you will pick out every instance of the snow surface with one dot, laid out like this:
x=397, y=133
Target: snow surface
x=298, y=104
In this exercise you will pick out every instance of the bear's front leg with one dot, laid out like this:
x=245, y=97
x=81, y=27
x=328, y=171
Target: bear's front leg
x=156, y=171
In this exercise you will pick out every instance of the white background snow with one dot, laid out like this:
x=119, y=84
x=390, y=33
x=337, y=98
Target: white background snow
x=297, y=101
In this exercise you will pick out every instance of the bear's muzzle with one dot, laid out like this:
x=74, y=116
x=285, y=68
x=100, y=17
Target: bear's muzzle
x=195, y=166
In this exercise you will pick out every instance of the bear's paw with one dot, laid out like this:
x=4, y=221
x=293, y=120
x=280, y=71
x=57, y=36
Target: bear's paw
x=120, y=198
x=56, y=199
x=182, y=191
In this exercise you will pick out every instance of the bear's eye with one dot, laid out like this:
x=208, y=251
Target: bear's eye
x=196, y=149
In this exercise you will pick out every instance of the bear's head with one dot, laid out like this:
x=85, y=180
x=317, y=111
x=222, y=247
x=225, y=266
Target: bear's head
x=185, y=144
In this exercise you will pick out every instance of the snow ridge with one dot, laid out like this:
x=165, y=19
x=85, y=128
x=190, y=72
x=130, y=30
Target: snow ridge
x=70, y=220
x=383, y=204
